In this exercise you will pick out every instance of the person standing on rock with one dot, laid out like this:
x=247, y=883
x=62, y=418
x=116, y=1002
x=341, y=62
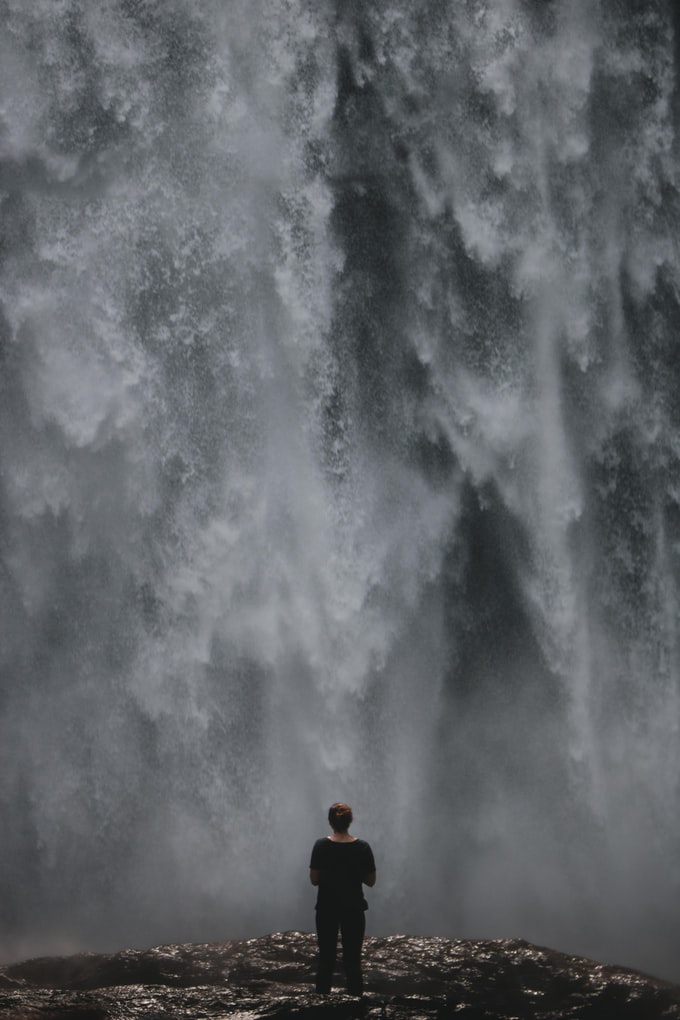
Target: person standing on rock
x=339, y=866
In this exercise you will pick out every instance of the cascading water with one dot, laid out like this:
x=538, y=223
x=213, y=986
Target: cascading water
x=340, y=434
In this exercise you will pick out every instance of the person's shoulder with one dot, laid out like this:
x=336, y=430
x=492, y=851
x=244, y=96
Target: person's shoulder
x=321, y=841
x=366, y=851
x=319, y=853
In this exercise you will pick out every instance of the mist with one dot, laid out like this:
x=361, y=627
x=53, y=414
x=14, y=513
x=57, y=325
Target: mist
x=339, y=444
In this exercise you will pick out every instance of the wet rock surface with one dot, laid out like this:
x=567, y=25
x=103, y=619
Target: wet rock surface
x=272, y=976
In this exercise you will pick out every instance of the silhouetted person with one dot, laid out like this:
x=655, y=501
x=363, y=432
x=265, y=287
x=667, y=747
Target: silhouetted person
x=340, y=864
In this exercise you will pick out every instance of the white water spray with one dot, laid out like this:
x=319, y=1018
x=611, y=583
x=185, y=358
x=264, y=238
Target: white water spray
x=339, y=447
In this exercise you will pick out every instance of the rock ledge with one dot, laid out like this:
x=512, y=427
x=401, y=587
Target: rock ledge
x=406, y=977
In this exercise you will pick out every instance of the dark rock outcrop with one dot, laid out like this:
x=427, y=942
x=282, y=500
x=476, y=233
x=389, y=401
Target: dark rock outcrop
x=268, y=977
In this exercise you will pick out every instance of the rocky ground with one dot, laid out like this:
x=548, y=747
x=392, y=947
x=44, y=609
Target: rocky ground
x=406, y=978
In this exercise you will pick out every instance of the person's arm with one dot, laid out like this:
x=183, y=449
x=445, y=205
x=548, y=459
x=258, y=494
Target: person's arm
x=315, y=862
x=369, y=865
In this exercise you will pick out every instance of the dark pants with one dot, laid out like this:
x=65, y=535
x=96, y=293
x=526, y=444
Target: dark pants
x=351, y=925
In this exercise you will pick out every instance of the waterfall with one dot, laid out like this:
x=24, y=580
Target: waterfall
x=339, y=444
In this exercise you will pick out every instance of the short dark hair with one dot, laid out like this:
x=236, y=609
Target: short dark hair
x=340, y=817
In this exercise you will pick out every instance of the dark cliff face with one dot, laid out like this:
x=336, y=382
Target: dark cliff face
x=406, y=977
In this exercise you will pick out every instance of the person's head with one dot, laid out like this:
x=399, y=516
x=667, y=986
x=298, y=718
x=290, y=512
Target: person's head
x=340, y=817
